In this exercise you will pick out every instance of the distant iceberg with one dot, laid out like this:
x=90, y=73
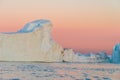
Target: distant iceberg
x=71, y=56
x=116, y=54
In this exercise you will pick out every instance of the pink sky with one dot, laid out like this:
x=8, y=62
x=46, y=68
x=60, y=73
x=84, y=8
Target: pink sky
x=84, y=25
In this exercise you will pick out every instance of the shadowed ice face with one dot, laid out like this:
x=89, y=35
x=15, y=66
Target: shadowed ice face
x=117, y=47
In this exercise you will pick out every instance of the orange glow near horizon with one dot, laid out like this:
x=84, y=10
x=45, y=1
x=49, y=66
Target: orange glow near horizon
x=84, y=25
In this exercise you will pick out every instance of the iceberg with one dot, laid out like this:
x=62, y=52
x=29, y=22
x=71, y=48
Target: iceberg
x=32, y=43
x=71, y=56
x=116, y=54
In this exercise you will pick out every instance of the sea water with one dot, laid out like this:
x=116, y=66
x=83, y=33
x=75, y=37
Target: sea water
x=58, y=71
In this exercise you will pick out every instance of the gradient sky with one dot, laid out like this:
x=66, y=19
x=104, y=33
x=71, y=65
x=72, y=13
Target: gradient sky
x=84, y=25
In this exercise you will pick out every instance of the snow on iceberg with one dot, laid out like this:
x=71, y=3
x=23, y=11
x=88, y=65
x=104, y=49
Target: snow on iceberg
x=31, y=26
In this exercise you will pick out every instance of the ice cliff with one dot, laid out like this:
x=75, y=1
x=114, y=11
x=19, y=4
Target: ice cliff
x=32, y=43
x=116, y=54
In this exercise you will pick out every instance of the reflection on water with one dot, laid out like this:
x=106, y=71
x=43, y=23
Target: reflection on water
x=58, y=71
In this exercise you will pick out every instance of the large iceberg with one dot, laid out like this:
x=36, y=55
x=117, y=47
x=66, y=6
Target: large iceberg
x=116, y=54
x=32, y=43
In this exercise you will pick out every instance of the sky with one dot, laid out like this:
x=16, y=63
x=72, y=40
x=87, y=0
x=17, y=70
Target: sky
x=84, y=25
